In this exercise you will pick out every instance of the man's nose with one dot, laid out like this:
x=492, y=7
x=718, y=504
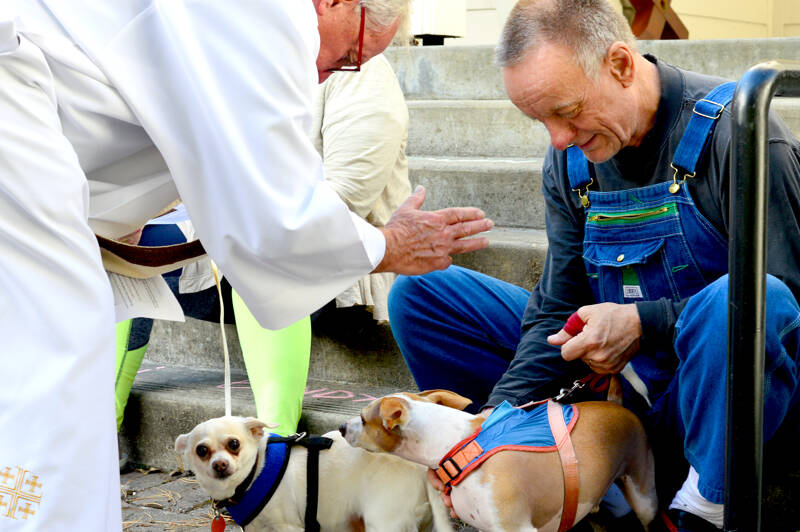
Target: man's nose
x=562, y=134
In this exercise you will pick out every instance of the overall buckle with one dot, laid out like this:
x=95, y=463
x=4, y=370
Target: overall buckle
x=720, y=108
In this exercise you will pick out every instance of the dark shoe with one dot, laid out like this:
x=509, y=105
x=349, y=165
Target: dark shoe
x=680, y=521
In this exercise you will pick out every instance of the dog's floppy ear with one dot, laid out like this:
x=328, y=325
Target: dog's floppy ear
x=393, y=412
x=256, y=427
x=446, y=398
x=181, y=442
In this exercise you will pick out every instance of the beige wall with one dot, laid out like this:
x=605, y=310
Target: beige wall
x=705, y=19
x=786, y=18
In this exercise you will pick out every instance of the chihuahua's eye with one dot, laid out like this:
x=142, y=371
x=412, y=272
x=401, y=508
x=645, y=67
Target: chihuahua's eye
x=201, y=451
x=233, y=445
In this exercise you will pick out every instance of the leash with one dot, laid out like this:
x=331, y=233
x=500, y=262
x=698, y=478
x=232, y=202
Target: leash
x=226, y=355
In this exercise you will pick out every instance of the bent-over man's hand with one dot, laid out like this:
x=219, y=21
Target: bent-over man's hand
x=609, y=339
x=418, y=241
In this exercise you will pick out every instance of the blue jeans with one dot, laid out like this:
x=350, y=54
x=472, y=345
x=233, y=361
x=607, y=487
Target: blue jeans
x=458, y=329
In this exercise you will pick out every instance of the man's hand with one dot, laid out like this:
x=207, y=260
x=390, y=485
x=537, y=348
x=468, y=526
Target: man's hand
x=418, y=241
x=609, y=339
x=438, y=485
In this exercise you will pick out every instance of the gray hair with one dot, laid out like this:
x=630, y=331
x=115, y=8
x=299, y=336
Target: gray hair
x=383, y=13
x=587, y=27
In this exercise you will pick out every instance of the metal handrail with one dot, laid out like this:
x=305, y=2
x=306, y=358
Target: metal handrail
x=747, y=288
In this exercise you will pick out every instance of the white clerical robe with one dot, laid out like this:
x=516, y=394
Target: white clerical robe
x=134, y=103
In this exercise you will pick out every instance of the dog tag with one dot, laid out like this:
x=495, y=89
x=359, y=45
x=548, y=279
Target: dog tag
x=218, y=524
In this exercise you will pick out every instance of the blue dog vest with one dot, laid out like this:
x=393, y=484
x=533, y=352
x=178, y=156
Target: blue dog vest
x=506, y=429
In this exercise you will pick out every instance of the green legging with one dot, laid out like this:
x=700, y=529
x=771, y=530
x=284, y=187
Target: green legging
x=276, y=363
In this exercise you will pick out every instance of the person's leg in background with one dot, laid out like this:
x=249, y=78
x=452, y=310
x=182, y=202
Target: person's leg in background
x=58, y=466
x=457, y=329
x=132, y=340
x=133, y=336
x=277, y=366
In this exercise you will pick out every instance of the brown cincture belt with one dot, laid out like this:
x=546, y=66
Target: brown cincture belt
x=144, y=262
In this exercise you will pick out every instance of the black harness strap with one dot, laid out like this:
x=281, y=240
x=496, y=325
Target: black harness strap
x=314, y=444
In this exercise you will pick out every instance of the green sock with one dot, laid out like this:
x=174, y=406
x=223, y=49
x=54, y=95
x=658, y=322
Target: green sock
x=277, y=366
x=128, y=363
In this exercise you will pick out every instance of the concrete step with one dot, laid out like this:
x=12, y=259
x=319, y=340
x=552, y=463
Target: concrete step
x=469, y=72
x=169, y=400
x=473, y=128
x=508, y=190
x=514, y=255
x=497, y=129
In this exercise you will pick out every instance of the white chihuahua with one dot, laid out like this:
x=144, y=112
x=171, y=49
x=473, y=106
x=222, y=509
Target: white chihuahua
x=358, y=490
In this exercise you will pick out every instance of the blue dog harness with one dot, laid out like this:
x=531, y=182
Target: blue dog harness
x=543, y=426
x=506, y=429
x=250, y=498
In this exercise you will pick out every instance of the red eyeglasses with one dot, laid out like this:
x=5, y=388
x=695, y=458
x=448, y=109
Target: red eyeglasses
x=355, y=65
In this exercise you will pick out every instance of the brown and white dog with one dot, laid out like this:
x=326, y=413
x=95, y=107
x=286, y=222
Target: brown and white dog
x=514, y=490
x=357, y=490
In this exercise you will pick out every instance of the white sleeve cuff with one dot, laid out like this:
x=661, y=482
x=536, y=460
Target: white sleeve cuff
x=373, y=239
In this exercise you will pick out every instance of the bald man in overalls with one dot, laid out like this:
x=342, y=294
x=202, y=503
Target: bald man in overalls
x=636, y=189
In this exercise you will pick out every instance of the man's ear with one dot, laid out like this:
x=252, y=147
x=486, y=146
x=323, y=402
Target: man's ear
x=446, y=398
x=181, y=442
x=256, y=427
x=620, y=61
x=393, y=412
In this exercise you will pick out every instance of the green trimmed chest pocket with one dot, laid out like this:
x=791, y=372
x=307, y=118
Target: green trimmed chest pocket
x=639, y=255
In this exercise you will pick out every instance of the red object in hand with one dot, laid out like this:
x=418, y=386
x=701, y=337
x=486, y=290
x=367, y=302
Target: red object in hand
x=574, y=324
x=218, y=524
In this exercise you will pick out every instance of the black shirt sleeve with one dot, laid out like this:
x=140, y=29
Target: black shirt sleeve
x=538, y=371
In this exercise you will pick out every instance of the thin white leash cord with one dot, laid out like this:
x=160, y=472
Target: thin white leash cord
x=224, y=341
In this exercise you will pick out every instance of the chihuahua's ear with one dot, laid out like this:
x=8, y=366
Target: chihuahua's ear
x=446, y=398
x=256, y=427
x=393, y=412
x=181, y=442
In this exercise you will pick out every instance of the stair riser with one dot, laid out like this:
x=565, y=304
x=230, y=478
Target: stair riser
x=509, y=194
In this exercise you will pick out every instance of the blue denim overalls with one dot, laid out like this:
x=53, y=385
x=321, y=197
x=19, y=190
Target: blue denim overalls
x=649, y=243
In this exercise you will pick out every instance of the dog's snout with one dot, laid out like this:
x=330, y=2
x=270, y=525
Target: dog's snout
x=343, y=429
x=220, y=466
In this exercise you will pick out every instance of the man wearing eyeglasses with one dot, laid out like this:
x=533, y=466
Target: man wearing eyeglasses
x=110, y=111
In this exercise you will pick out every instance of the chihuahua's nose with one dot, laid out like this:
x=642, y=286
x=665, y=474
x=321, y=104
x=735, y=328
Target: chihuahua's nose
x=343, y=429
x=220, y=466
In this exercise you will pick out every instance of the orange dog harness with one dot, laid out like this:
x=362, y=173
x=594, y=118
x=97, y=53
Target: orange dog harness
x=542, y=426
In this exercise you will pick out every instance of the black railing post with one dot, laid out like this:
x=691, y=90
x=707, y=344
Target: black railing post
x=747, y=305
